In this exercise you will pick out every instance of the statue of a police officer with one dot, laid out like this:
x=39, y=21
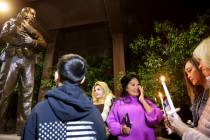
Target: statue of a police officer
x=18, y=60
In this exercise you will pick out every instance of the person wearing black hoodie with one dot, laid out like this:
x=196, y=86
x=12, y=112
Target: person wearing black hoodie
x=66, y=112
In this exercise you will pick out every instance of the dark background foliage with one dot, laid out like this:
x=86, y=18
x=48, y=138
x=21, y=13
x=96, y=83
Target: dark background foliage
x=164, y=53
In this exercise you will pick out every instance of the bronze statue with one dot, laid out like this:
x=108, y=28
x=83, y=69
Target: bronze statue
x=18, y=60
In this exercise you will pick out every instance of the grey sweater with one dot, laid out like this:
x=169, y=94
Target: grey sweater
x=202, y=131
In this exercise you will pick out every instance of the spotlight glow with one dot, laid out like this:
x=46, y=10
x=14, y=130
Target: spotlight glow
x=4, y=7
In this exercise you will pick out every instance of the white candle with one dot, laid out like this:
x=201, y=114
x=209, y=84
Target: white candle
x=173, y=110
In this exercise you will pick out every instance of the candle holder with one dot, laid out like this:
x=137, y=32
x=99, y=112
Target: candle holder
x=166, y=121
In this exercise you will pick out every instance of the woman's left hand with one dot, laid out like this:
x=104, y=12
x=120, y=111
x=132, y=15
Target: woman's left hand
x=141, y=96
x=146, y=106
x=178, y=125
x=126, y=130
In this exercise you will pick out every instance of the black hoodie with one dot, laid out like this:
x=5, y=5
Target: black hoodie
x=67, y=113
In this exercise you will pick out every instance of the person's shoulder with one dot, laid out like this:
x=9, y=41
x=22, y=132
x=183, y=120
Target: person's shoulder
x=40, y=106
x=10, y=21
x=118, y=101
x=109, y=97
x=7, y=24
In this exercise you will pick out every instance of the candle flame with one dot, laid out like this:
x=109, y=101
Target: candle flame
x=160, y=94
x=162, y=78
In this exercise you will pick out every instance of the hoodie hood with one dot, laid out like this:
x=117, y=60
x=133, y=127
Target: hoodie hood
x=69, y=102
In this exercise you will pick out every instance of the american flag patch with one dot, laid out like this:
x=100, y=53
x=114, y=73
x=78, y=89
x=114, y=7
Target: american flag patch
x=77, y=130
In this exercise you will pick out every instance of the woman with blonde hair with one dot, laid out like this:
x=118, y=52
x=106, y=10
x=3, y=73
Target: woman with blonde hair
x=202, y=55
x=202, y=131
x=102, y=98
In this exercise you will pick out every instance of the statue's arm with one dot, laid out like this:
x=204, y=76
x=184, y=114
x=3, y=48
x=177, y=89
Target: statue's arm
x=11, y=34
x=39, y=40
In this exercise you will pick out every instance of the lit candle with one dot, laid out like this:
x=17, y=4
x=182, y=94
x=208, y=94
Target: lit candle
x=173, y=110
x=161, y=99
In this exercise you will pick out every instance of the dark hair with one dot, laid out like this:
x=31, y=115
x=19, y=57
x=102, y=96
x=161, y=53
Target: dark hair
x=72, y=68
x=124, y=82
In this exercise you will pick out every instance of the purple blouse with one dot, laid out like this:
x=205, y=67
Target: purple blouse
x=142, y=122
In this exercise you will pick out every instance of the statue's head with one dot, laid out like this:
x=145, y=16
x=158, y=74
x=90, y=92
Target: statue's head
x=28, y=14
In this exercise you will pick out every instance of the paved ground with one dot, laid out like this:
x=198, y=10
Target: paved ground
x=9, y=137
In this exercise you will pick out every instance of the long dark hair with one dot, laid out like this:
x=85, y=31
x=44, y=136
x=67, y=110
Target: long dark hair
x=124, y=83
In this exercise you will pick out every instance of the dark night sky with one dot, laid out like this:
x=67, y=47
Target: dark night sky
x=144, y=12
x=139, y=15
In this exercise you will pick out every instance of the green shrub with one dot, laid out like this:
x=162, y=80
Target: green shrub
x=164, y=53
x=100, y=69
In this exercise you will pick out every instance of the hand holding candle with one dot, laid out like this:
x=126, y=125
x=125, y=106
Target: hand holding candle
x=167, y=124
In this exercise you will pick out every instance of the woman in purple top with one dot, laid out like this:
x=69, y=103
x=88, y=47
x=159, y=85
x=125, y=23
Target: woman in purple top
x=142, y=114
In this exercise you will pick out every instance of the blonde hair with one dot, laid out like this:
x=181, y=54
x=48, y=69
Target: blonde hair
x=202, y=52
x=106, y=90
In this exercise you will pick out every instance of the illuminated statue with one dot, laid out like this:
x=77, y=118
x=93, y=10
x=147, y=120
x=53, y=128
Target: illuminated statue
x=18, y=60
